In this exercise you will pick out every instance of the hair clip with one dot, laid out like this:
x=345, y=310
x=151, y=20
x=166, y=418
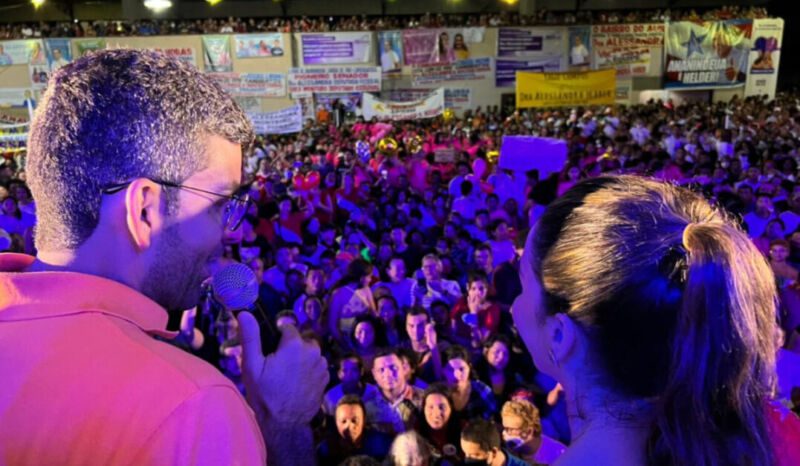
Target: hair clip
x=674, y=264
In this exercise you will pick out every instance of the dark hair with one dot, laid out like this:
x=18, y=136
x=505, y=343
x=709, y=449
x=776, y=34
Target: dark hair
x=678, y=306
x=452, y=427
x=377, y=328
x=353, y=400
x=456, y=352
x=356, y=270
x=483, y=433
x=387, y=351
x=360, y=460
x=476, y=276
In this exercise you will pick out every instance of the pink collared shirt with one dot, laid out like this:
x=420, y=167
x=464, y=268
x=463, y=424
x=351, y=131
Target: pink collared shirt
x=83, y=381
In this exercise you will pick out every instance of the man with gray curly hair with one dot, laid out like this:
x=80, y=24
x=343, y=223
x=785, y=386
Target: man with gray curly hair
x=135, y=162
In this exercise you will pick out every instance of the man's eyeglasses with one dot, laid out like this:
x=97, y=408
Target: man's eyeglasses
x=232, y=216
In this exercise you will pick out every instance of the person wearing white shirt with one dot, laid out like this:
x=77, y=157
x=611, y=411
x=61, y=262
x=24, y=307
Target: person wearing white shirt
x=579, y=54
x=434, y=287
x=398, y=284
x=389, y=59
x=640, y=133
x=757, y=220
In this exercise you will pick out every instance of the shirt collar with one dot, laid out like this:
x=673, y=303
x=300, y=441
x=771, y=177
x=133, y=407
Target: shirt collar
x=30, y=295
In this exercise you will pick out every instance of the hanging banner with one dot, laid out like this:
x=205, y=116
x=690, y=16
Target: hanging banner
x=765, y=56
x=217, y=54
x=184, y=54
x=22, y=52
x=59, y=53
x=458, y=99
x=84, y=46
x=39, y=74
x=424, y=46
x=505, y=71
x=286, y=121
x=581, y=88
x=336, y=47
x=252, y=84
x=580, y=47
x=429, y=107
x=632, y=49
x=709, y=54
x=344, y=79
x=473, y=69
x=16, y=97
x=351, y=101
x=259, y=45
x=531, y=42
x=390, y=51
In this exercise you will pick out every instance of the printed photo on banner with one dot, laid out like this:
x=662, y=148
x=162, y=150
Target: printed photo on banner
x=336, y=48
x=259, y=45
x=425, y=46
x=632, y=49
x=59, y=53
x=39, y=74
x=217, y=54
x=22, y=52
x=709, y=54
x=580, y=54
x=351, y=101
x=765, y=56
x=84, y=46
x=390, y=51
x=17, y=97
x=458, y=99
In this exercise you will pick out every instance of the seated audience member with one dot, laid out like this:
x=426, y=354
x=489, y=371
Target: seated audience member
x=410, y=449
x=433, y=287
x=480, y=442
x=399, y=285
x=352, y=436
x=523, y=437
x=437, y=424
x=474, y=318
x=471, y=397
x=589, y=270
x=403, y=400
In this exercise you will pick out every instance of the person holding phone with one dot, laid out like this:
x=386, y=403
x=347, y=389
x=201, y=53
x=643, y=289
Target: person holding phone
x=430, y=286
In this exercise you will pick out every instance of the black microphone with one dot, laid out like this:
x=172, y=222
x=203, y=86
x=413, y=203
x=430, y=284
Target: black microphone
x=235, y=288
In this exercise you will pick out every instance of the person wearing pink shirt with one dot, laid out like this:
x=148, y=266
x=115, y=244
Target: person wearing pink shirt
x=134, y=160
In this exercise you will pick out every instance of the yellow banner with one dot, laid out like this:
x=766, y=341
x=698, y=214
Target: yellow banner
x=566, y=89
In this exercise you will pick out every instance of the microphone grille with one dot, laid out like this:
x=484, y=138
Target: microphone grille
x=235, y=287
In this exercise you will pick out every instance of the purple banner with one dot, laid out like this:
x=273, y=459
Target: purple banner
x=336, y=48
x=516, y=42
x=505, y=74
x=424, y=46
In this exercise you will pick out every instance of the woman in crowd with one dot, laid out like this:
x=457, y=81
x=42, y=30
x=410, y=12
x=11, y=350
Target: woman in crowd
x=367, y=337
x=495, y=369
x=663, y=362
x=437, y=424
x=350, y=298
x=471, y=397
x=474, y=318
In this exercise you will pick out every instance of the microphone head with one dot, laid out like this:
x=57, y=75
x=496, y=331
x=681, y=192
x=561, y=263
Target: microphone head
x=235, y=287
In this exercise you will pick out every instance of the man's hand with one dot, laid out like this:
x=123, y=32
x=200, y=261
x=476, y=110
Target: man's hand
x=431, y=339
x=285, y=387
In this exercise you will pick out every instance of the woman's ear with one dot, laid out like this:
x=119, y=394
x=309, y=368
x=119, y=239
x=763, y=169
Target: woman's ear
x=562, y=333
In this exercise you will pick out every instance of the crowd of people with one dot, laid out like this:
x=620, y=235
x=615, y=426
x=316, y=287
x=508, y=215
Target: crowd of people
x=404, y=267
x=104, y=28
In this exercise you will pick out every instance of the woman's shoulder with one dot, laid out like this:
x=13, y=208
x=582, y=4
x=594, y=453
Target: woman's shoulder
x=784, y=431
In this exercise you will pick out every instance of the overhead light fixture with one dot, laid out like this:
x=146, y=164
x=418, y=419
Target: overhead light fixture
x=157, y=5
x=213, y=2
x=510, y=2
x=37, y=3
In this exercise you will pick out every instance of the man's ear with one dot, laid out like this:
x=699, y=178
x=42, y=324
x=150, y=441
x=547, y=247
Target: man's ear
x=143, y=200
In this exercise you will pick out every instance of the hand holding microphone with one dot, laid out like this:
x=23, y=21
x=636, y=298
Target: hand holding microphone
x=286, y=386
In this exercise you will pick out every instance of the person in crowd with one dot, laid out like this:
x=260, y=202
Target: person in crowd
x=471, y=397
x=437, y=424
x=410, y=254
x=474, y=318
x=423, y=342
x=432, y=287
x=590, y=257
x=314, y=287
x=399, y=285
x=352, y=437
x=367, y=336
x=391, y=318
x=480, y=442
x=523, y=437
x=757, y=220
x=351, y=373
x=350, y=298
x=403, y=399
x=495, y=368
x=410, y=449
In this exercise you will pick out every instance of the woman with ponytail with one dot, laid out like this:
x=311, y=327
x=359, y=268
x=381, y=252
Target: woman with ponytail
x=658, y=317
